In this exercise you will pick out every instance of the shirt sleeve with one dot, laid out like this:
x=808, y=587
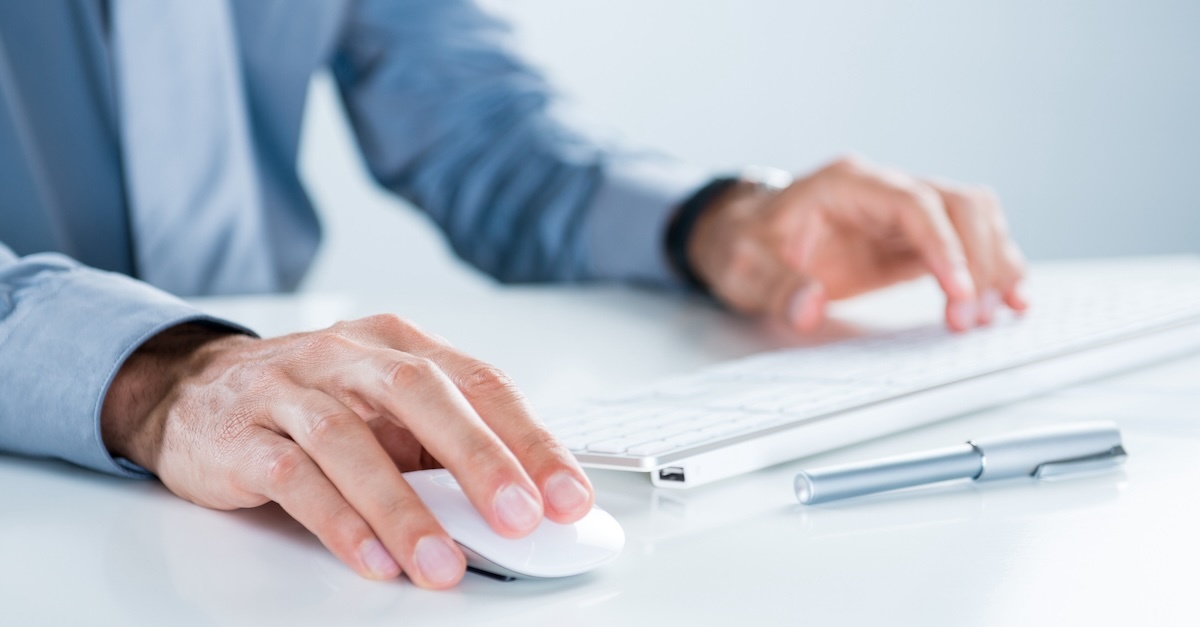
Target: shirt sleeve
x=65, y=330
x=450, y=119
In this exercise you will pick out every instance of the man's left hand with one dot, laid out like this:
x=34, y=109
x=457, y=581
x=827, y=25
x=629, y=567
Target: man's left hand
x=852, y=227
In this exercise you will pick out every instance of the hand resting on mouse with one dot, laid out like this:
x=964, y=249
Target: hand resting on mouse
x=324, y=423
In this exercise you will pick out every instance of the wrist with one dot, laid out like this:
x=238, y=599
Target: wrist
x=683, y=225
x=130, y=422
x=714, y=228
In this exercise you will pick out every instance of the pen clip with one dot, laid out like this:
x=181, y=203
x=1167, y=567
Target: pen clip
x=1107, y=459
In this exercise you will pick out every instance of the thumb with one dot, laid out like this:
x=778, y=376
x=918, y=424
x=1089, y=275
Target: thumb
x=767, y=285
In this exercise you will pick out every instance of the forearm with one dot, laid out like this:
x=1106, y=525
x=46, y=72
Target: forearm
x=65, y=331
x=450, y=118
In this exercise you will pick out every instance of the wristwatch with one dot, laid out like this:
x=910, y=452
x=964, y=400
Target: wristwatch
x=679, y=232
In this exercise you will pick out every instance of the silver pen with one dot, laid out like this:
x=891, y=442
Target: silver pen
x=1036, y=453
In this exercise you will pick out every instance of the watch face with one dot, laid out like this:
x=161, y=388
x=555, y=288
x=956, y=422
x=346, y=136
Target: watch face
x=766, y=176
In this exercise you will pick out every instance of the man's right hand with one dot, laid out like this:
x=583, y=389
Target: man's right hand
x=324, y=423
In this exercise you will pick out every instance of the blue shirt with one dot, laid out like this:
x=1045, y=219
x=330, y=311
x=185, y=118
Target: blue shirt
x=446, y=117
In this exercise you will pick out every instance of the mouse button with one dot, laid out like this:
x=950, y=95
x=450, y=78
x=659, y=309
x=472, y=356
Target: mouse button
x=560, y=550
x=447, y=480
x=509, y=553
x=448, y=505
x=600, y=530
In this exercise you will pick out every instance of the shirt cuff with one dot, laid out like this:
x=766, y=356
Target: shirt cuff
x=67, y=338
x=627, y=222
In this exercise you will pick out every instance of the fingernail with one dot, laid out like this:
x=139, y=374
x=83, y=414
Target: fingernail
x=437, y=560
x=565, y=493
x=378, y=560
x=963, y=314
x=517, y=509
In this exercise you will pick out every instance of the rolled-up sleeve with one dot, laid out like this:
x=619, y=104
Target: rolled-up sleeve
x=451, y=119
x=65, y=330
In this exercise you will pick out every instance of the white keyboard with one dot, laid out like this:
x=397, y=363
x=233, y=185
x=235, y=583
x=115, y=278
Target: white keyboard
x=747, y=414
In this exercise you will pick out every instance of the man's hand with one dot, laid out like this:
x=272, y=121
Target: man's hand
x=852, y=227
x=324, y=423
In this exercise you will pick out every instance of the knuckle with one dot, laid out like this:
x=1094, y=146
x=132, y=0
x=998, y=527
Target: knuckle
x=284, y=464
x=482, y=379
x=846, y=164
x=323, y=426
x=537, y=442
x=970, y=200
x=921, y=202
x=410, y=371
x=393, y=325
x=324, y=345
x=986, y=196
x=481, y=452
x=919, y=196
x=437, y=339
x=346, y=524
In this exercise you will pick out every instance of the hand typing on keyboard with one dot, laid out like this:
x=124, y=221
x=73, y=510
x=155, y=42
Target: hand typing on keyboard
x=738, y=416
x=849, y=228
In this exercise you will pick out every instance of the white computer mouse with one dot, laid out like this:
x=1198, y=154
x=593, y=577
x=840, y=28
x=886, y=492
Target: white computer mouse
x=552, y=550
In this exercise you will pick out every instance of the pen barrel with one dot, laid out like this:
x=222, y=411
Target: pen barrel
x=821, y=485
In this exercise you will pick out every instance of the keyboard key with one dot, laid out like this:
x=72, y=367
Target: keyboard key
x=577, y=443
x=721, y=429
x=606, y=433
x=685, y=439
x=647, y=449
x=653, y=433
x=609, y=446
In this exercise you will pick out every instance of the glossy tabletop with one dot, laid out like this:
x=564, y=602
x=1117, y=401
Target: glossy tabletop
x=1115, y=548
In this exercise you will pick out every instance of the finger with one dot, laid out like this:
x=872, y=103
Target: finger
x=346, y=451
x=1008, y=263
x=894, y=198
x=415, y=393
x=795, y=299
x=564, y=487
x=289, y=477
x=971, y=213
x=1012, y=261
x=566, y=490
x=806, y=305
x=1013, y=284
x=767, y=274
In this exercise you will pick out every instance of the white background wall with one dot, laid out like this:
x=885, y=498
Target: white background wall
x=1085, y=116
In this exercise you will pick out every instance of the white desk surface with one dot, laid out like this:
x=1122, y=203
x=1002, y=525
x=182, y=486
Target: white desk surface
x=1119, y=548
